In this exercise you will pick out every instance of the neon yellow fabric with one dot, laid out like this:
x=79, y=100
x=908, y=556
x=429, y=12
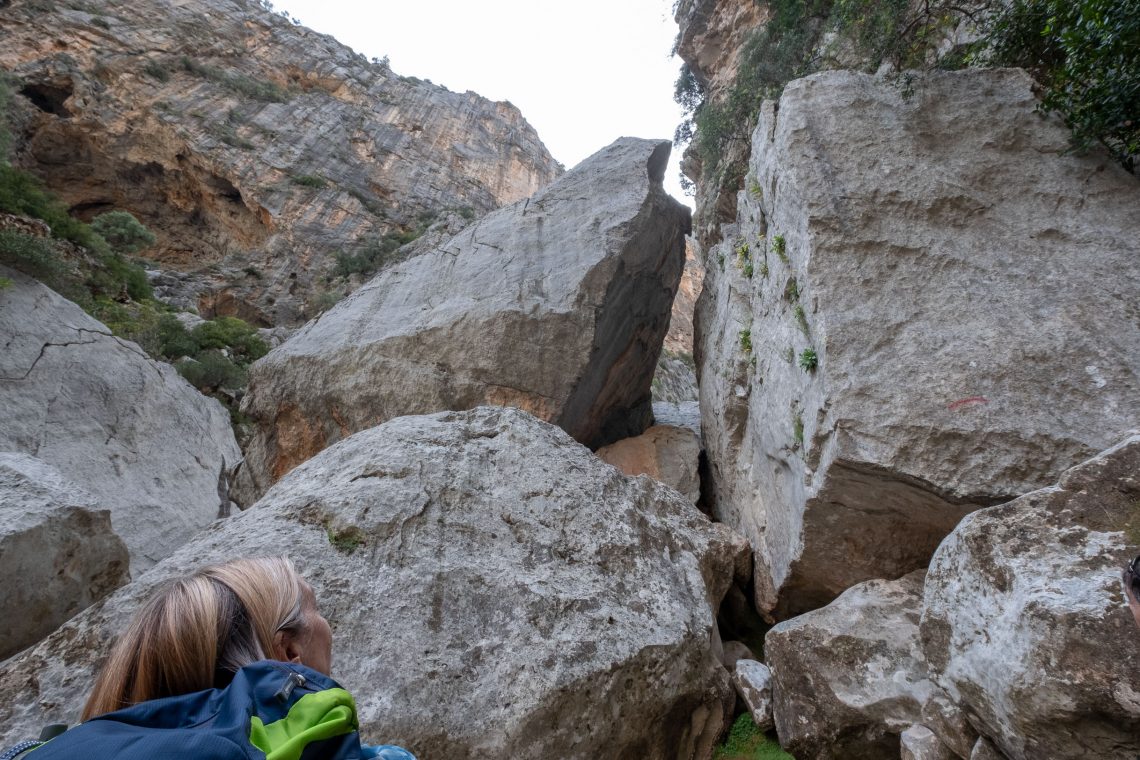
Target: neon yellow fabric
x=315, y=717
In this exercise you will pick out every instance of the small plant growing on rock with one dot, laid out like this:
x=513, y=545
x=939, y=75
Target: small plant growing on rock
x=789, y=355
x=764, y=268
x=746, y=340
x=309, y=180
x=780, y=247
x=792, y=291
x=808, y=360
x=720, y=261
x=346, y=541
x=797, y=431
x=5, y=283
x=125, y=233
x=800, y=318
x=747, y=270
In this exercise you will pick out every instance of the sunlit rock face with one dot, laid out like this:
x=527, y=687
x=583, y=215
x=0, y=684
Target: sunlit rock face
x=557, y=305
x=924, y=307
x=255, y=149
x=495, y=591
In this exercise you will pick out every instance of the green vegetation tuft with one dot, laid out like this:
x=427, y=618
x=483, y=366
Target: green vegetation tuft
x=801, y=318
x=797, y=431
x=746, y=340
x=780, y=248
x=372, y=257
x=5, y=282
x=236, y=82
x=310, y=180
x=347, y=540
x=809, y=361
x=745, y=741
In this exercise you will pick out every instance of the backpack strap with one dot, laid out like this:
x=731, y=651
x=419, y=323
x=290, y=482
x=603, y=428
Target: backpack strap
x=19, y=749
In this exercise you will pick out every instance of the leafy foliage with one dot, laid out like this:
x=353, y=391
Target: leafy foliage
x=745, y=741
x=211, y=370
x=809, y=361
x=125, y=233
x=1087, y=56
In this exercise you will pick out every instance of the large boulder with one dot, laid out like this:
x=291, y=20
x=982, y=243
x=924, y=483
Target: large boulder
x=59, y=551
x=850, y=677
x=495, y=589
x=1024, y=620
x=557, y=305
x=128, y=429
x=927, y=306
x=666, y=453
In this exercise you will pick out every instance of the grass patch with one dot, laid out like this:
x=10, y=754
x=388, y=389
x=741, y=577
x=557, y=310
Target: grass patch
x=347, y=540
x=236, y=82
x=746, y=340
x=809, y=360
x=745, y=741
x=309, y=180
x=797, y=431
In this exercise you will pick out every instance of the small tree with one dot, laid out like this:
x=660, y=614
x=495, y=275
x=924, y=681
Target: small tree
x=125, y=233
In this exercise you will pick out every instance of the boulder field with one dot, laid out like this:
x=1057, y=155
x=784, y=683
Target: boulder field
x=557, y=305
x=495, y=590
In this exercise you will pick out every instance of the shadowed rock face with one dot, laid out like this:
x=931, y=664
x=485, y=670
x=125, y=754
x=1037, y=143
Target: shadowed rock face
x=59, y=551
x=130, y=430
x=1024, y=619
x=557, y=305
x=255, y=149
x=968, y=290
x=494, y=590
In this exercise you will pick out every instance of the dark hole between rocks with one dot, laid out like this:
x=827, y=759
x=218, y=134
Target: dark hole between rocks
x=88, y=210
x=48, y=98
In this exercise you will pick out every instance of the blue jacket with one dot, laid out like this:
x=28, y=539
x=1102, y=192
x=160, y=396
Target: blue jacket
x=270, y=711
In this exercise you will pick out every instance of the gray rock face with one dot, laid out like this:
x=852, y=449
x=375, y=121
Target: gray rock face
x=59, y=551
x=1024, y=621
x=920, y=743
x=665, y=453
x=557, y=305
x=129, y=430
x=850, y=677
x=496, y=591
x=753, y=682
x=966, y=289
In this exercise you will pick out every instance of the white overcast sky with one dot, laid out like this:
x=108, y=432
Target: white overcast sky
x=582, y=73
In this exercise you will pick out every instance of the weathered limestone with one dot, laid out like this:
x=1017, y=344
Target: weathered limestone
x=496, y=591
x=965, y=286
x=59, y=552
x=129, y=430
x=920, y=743
x=753, y=682
x=556, y=305
x=850, y=677
x=663, y=452
x=255, y=149
x=1024, y=622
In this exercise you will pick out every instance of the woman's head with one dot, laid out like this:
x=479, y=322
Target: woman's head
x=196, y=631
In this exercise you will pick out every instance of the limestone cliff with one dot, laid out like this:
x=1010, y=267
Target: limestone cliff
x=255, y=149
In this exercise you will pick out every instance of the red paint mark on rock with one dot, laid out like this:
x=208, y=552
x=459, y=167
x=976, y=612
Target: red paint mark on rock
x=966, y=401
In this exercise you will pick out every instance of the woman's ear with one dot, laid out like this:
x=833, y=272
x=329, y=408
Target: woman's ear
x=286, y=646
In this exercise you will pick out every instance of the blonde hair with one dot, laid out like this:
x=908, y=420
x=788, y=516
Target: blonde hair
x=196, y=631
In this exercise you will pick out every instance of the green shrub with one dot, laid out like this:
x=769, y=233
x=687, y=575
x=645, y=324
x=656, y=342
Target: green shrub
x=780, y=248
x=309, y=180
x=123, y=231
x=156, y=70
x=746, y=340
x=1086, y=54
x=211, y=371
x=34, y=256
x=175, y=341
x=231, y=333
x=237, y=82
x=808, y=360
x=745, y=741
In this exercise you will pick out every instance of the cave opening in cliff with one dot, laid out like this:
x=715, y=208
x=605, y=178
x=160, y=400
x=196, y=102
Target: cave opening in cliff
x=49, y=98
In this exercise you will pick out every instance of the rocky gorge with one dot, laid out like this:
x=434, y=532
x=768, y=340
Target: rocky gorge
x=847, y=458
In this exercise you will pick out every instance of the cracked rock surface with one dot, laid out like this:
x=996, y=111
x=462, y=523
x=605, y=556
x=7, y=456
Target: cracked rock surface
x=59, y=551
x=495, y=591
x=1024, y=620
x=147, y=445
x=557, y=305
x=969, y=289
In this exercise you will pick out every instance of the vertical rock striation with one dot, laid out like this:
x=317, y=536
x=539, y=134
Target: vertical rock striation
x=557, y=305
x=926, y=307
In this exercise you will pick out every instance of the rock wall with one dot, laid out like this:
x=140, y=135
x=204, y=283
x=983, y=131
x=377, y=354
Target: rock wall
x=496, y=591
x=255, y=149
x=921, y=310
x=557, y=305
x=147, y=445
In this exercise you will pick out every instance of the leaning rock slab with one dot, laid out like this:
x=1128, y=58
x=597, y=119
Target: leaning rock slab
x=1024, y=621
x=128, y=429
x=665, y=453
x=557, y=305
x=850, y=677
x=496, y=591
x=968, y=289
x=753, y=682
x=59, y=552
